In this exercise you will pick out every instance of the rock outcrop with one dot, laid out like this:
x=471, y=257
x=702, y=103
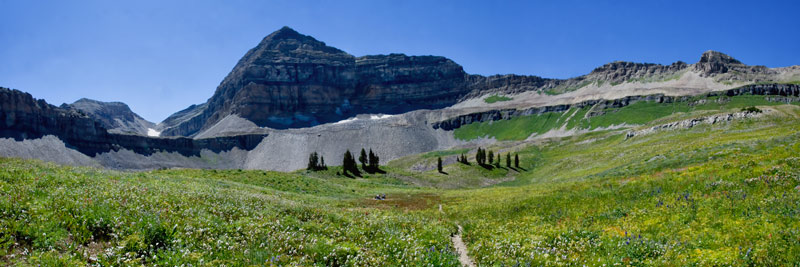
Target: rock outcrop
x=725, y=68
x=690, y=123
x=621, y=71
x=117, y=117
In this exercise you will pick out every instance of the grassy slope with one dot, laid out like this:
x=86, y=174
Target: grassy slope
x=715, y=194
x=74, y=216
x=639, y=113
x=712, y=195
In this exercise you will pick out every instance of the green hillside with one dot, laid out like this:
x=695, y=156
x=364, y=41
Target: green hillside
x=639, y=113
x=722, y=194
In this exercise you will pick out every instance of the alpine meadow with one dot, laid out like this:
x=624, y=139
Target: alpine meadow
x=307, y=155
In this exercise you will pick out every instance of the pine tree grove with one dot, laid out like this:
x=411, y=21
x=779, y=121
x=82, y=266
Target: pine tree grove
x=316, y=162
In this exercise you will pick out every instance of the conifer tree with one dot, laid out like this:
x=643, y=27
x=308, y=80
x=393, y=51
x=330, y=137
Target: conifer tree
x=363, y=159
x=312, y=162
x=480, y=156
x=322, y=165
x=374, y=161
x=346, y=162
x=439, y=164
x=349, y=164
x=516, y=160
x=508, y=160
x=491, y=157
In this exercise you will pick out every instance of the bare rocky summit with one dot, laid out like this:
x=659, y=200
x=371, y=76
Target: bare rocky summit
x=117, y=117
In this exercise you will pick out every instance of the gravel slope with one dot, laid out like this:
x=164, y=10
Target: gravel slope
x=48, y=148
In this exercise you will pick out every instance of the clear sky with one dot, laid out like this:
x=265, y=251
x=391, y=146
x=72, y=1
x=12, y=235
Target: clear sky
x=162, y=56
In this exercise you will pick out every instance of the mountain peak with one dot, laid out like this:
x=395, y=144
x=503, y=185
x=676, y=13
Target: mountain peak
x=285, y=32
x=287, y=39
x=115, y=116
x=712, y=56
x=98, y=102
x=713, y=62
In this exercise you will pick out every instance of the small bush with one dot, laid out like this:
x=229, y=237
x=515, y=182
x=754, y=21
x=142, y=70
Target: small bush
x=497, y=98
x=751, y=109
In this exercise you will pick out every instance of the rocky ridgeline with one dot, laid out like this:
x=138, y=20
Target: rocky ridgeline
x=620, y=71
x=781, y=93
x=117, y=117
x=27, y=118
x=713, y=63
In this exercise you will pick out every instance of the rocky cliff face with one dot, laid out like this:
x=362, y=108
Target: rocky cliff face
x=398, y=83
x=117, y=117
x=620, y=71
x=24, y=117
x=725, y=68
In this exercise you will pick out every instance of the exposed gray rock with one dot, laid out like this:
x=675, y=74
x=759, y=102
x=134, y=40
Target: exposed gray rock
x=687, y=124
x=183, y=121
x=620, y=71
x=389, y=138
x=117, y=117
x=125, y=159
x=725, y=68
x=48, y=148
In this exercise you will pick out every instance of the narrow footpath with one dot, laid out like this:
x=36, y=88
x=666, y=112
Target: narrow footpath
x=461, y=249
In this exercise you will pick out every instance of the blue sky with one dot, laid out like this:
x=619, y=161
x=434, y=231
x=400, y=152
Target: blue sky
x=162, y=56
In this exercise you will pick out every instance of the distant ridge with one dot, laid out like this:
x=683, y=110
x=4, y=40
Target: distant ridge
x=291, y=80
x=115, y=116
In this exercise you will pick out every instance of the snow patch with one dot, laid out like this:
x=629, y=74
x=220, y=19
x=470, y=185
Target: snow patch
x=153, y=132
x=381, y=116
x=371, y=117
x=346, y=121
